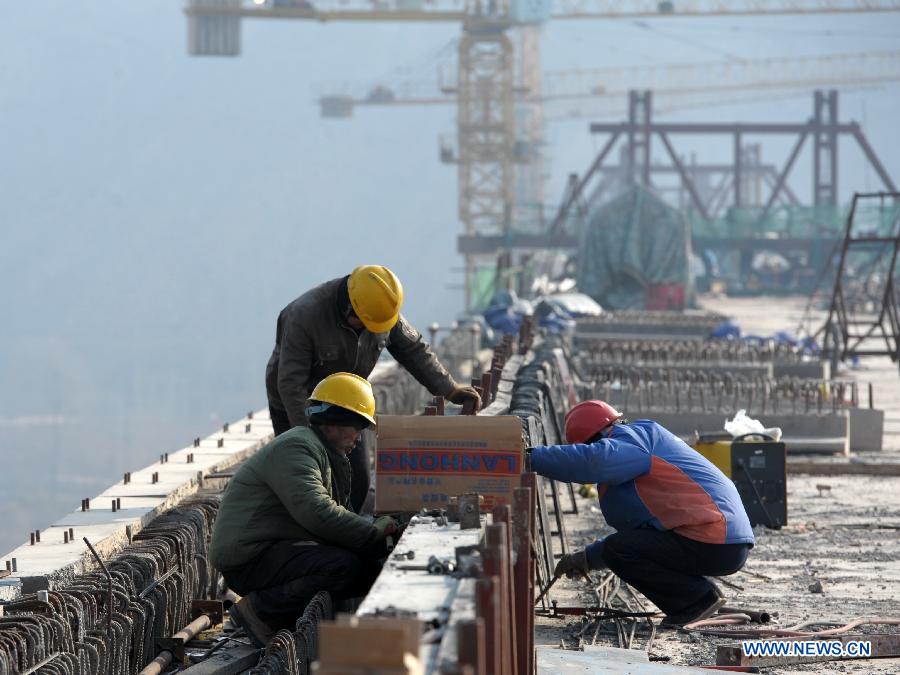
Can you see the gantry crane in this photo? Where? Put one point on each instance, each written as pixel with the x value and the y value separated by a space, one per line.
pixel 497 58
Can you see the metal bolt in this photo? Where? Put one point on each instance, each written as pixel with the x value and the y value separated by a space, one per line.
pixel 196 442
pixel 166 456
pixel 225 428
pixel 32 538
pixel 65 537
pixel 155 477
pixel 15 568
pixel 161 460
pixel 71 534
pixel 247 429
pixel 250 415
pixel 221 443
pixel 113 505
pixel 118 503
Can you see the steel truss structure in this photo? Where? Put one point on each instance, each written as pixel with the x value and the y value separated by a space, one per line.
pixel 639 131
pixel 864 315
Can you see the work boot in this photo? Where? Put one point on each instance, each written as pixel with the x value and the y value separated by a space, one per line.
pixel 244 615
pixel 703 609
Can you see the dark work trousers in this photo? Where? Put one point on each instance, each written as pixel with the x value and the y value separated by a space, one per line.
pixel 280 421
pixel 285 577
pixel 360 462
pixel 669 569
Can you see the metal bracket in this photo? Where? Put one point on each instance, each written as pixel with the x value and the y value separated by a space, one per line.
pixel 469 511
pixel 173 645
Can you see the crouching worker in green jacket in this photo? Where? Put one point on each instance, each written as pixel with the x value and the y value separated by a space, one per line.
pixel 284 530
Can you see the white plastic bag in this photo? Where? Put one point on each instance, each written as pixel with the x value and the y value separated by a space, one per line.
pixel 742 425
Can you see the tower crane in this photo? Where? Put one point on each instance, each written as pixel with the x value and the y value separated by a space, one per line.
pixel 498 142
pixel 603 91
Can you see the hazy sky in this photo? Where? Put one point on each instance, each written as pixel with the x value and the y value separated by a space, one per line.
pixel 157 210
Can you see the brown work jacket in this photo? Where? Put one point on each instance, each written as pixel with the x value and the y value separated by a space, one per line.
pixel 312 341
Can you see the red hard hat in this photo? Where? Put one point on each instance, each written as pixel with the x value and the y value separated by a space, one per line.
pixel 589 418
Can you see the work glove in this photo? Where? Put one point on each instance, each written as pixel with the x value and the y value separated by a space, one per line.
pixel 385 526
pixel 460 394
pixel 572 565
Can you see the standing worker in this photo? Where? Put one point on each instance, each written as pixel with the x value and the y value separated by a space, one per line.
pixel 677 517
pixel 343 325
pixel 284 531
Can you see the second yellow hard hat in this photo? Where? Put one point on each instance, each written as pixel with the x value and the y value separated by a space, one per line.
pixel 348 391
pixel 376 296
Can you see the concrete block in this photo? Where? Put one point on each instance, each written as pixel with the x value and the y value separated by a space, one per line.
pixel 866 429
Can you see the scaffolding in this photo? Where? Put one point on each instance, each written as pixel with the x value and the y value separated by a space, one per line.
pixel 864 315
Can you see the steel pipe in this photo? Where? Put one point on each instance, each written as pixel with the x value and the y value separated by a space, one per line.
pixel 158 665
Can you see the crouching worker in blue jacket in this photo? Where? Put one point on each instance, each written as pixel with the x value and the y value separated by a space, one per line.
pixel 677 517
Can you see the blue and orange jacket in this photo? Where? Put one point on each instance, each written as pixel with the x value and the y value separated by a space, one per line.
pixel 648 477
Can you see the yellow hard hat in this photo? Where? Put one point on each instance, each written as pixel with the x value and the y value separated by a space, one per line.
pixel 348 391
pixel 376 295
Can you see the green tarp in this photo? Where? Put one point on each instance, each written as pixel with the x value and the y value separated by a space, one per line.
pixel 632 242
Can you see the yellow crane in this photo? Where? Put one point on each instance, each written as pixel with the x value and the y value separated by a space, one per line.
pixel 498 144
pixel 602 92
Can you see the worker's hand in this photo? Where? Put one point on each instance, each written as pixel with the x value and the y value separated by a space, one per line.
pixel 385 526
pixel 460 394
pixel 572 565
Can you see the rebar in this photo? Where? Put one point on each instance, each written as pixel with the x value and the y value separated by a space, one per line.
pixel 292 653
pixel 101 622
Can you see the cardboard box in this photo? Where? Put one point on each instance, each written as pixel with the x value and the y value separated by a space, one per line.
pixel 412 666
pixel 354 645
pixel 421 461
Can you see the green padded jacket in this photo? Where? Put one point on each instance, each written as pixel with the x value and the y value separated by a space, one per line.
pixel 295 488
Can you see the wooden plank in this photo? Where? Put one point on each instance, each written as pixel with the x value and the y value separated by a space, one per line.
pixel 607 652
pixel 231 661
pixel 555 661
pixel 884 645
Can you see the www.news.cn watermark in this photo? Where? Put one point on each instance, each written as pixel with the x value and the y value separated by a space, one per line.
pixel 830 648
